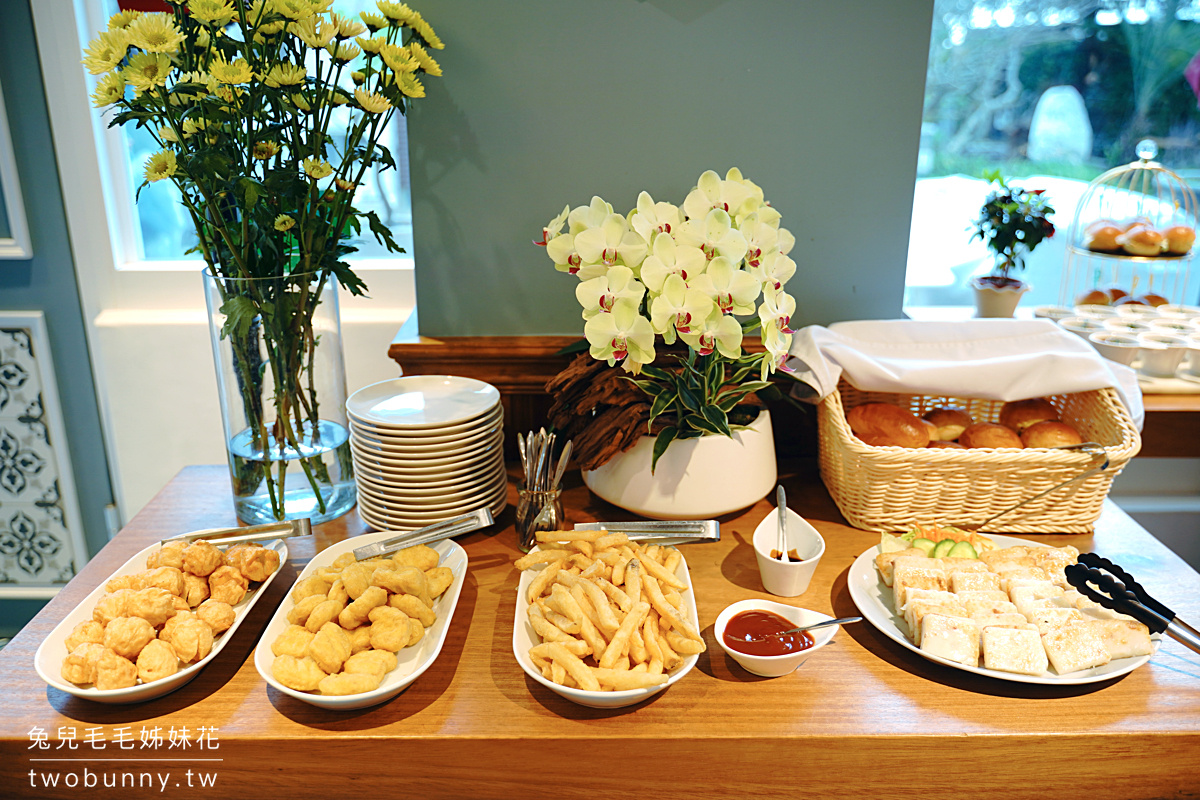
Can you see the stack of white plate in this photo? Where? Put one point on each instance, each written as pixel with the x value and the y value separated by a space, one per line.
pixel 427 448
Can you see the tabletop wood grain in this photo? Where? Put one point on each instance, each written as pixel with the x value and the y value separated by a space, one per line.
pixel 863 717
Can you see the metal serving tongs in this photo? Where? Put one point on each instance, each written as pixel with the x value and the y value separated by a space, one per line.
pixel 1112 587
pixel 253 533
pixel 466 523
pixel 668 531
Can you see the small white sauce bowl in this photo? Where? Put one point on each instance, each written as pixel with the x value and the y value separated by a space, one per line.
pixel 790 579
pixel 774 666
pixel 1120 347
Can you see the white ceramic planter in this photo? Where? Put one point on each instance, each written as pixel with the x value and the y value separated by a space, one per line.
pixel 993 302
pixel 695 478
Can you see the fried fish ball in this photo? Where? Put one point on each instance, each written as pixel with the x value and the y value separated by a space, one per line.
pixel 80 664
pixel 413 607
pixel 115 672
pixel 293 641
pixel 156 606
pixel 325 611
pixel 357 612
pixel 330 647
pixel 156 661
pixel 310 586
pixel 201 558
pixel 301 674
pixel 87 631
pixel 192 640
pixel 227 585
pixel 404 580
pixel 217 615
pixel 126 636
pixel 299 613
pixel 389 629
pixel 422 556
pixel 112 606
pixel 254 561
pixel 169 555
pixel 438 580
pixel 349 683
pixel 338 592
pixel 195 589
pixel 360 639
pixel 168 579
pixel 378 662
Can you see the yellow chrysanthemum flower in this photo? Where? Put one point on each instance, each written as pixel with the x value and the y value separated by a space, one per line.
pixel 237 72
pixel 155 33
pixel 425 31
pixel 371 102
pixel 316 168
pixel 374 22
pixel 312 31
pixel 293 9
pixel 397 13
pixel 109 90
pixel 122 19
pixel 398 58
pixel 284 223
pixel 217 13
pixel 299 101
pixel 106 51
pixel 160 165
pixel 265 150
pixel 147 70
pixel 371 45
pixel 424 59
pixel 409 85
pixel 343 51
pixel 284 74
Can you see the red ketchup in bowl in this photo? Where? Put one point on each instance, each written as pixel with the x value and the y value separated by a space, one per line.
pixel 751 632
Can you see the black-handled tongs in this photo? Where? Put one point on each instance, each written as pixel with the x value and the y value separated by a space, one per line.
pixel 1112 587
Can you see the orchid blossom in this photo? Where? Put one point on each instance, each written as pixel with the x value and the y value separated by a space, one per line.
pixel 678 308
pixel 600 295
pixel 620 334
pixel 669 259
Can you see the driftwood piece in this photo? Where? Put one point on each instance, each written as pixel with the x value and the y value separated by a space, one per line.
pixel 598 409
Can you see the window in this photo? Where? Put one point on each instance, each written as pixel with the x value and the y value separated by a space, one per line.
pixel 1052 93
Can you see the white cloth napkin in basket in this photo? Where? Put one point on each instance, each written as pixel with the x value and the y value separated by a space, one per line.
pixel 994 359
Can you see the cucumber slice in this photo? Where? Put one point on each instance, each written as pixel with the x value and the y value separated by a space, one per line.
pixel 925 544
pixel 943 548
pixel 963 550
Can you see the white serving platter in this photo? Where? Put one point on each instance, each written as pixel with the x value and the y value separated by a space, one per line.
pixel 49 656
pixel 422 401
pixel 873 599
pixel 524 637
pixel 412 661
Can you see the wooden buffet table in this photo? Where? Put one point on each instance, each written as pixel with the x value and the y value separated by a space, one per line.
pixel 863 718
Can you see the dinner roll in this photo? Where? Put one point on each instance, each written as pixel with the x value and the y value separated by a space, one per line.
pixel 949 421
pixel 1141 240
pixel 989 434
pixel 1102 235
pixel 1020 414
pixel 886 425
pixel 1179 239
pixel 1050 434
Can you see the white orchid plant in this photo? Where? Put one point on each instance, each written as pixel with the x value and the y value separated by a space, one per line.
pixel 705 274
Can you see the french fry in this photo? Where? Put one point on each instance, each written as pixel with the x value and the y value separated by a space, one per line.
pixel 659 572
pixel 544 578
pixel 540 557
pixel 623 680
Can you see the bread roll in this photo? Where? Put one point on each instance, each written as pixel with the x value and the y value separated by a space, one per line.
pixel 1179 239
pixel 1020 414
pixel 885 425
pixel 938 444
pixel 1102 235
pixel 1050 434
pixel 949 421
pixel 1141 240
pixel 989 434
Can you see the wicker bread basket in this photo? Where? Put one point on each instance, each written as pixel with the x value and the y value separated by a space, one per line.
pixel 890 488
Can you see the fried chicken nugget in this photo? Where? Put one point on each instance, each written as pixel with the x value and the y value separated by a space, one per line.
pixel 80 664
pixel 201 558
pixel 310 586
pixel 115 672
pixel 330 647
pixel 413 607
pixel 156 606
pixel 293 641
pixel 227 585
pixel 325 611
pixel 360 639
pixel 438 580
pixel 254 561
pixel 192 640
pixel 169 555
pixel 84 632
pixel 357 612
pixel 301 674
pixel 112 606
pixel 377 662
pixel 168 579
pixel 126 636
pixel 404 580
pixel 389 629
pixel 422 556
pixel 217 615
pixel 299 613
pixel 349 683
pixel 157 661
pixel 195 589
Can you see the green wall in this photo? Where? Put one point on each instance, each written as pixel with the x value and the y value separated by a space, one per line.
pixel 548 102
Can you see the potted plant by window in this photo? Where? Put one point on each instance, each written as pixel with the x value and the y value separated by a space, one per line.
pixel 1012 223
pixel 668 293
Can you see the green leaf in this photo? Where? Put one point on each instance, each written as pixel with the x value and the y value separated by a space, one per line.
pixel 664 439
pixel 239 312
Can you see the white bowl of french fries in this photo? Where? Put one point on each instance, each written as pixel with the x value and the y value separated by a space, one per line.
pixel 604 621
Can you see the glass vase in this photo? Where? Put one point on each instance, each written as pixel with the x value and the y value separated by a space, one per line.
pixel 281 377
